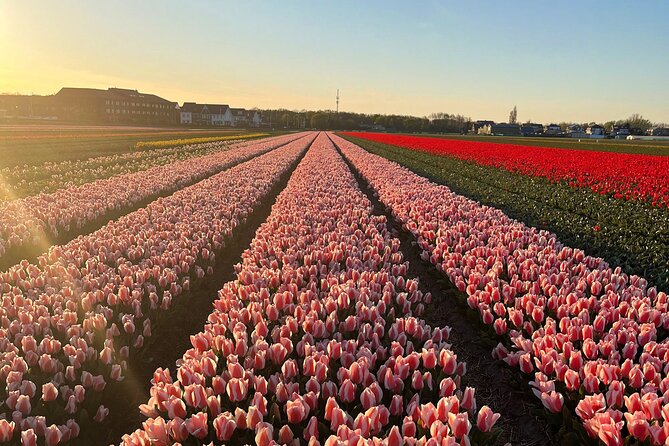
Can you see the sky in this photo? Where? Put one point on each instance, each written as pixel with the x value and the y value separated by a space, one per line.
pixel 575 61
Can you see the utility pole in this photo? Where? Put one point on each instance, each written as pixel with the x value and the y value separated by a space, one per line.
pixel 337 100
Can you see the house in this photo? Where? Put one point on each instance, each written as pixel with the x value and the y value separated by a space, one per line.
pixel 620 132
pixel 501 129
pixel 658 131
pixel 254 118
pixel 239 118
pixel 186 113
pixel 531 129
pixel 114 105
pixel 192 113
pixel 595 131
pixel 479 124
pixel 553 130
pixel 576 131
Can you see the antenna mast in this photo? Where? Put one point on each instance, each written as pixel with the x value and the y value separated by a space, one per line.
pixel 337 100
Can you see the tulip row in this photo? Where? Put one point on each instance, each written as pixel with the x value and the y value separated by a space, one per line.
pixel 620 175
pixel 70 324
pixel 26 180
pixel 183 141
pixel 319 338
pixel 29 221
pixel 584 330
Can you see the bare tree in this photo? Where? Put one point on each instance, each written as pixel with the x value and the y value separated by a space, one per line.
pixel 513 116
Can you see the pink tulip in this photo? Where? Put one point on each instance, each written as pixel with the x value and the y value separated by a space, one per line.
pixel 53 435
pixel 23 404
pixel 347 391
pixel 296 411
pixel 101 414
pixel 590 405
pixel 408 427
pixel 285 435
pixel 224 425
pixel 394 437
pixel 197 425
pixel 156 430
pixel 572 380
pixel 459 424
pixel 49 392
pixel 486 419
pixel 311 431
pixel 253 417
pixel 637 425
pixel 553 401
pixel 6 431
pixel 264 434
pixel 468 401
pixel 237 389
pixel 28 438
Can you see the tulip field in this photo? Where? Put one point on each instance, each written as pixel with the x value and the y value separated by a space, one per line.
pixel 128 317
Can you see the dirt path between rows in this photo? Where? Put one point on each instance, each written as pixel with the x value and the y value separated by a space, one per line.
pixel 496 384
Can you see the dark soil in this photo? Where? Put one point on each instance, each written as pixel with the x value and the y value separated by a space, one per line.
pixel 497 385
pixel 171 338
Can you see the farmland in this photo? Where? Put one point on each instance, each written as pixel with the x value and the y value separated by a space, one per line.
pixel 320 288
pixel 30 144
pixel 638 147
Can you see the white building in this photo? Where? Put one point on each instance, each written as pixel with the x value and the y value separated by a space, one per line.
pixel 254 118
pixel 595 131
pixel 206 114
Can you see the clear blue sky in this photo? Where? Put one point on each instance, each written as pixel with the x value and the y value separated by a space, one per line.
pixel 558 61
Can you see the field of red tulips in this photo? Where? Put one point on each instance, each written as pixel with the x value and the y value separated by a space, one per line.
pixel 323 331
pixel 620 175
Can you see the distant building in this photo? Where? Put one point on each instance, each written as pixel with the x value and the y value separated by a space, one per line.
pixel 15 106
pixel 620 132
pixel 477 125
pixel 239 118
pixel 205 114
pixel 501 129
pixel 576 131
pixel 114 105
pixel 658 131
pixel 531 129
pixel 553 130
pixel 254 118
pixel 595 131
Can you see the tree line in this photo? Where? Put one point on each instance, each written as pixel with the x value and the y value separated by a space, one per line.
pixel 433 123
pixel 330 120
